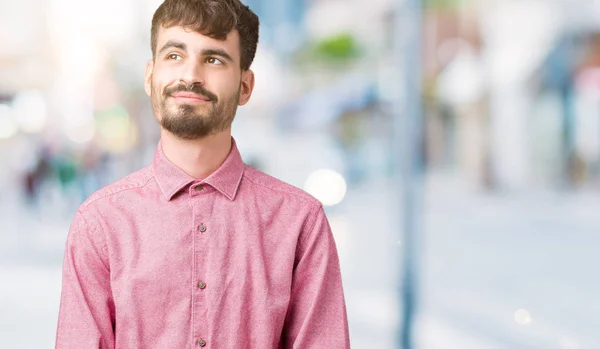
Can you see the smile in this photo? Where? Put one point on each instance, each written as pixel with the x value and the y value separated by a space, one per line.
pixel 187 97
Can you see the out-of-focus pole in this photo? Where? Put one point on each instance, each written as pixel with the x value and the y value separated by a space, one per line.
pixel 408 136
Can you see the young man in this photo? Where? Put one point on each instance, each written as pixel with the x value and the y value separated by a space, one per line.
pixel 199 249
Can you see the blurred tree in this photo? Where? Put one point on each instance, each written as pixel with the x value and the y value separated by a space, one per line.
pixel 335 51
pixel 445 4
pixel 337 48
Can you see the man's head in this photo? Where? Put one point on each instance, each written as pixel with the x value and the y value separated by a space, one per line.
pixel 200 71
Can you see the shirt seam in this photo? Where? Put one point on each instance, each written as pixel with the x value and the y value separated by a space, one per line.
pixel 105 258
pixel 309 200
pixel 85 206
pixel 194 278
pixel 83 211
pixel 97 231
pixel 313 224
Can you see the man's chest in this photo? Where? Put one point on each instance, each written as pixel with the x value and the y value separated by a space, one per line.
pixel 217 258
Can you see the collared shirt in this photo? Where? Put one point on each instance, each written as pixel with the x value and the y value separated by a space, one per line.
pixel 159 260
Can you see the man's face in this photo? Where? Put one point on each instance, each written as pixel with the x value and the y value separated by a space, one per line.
pixel 195 82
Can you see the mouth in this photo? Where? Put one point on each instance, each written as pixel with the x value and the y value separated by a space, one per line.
pixel 189 98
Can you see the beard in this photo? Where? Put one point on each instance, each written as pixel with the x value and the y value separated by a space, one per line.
pixel 189 121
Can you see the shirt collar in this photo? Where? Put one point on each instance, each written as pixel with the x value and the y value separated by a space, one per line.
pixel 226 179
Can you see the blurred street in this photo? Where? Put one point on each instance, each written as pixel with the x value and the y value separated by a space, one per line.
pixel 499 100
pixel 492 255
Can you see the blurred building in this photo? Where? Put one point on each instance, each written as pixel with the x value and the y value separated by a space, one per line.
pixel 511 96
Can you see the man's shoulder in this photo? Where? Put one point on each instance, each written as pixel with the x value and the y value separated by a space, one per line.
pixel 278 187
pixel 135 180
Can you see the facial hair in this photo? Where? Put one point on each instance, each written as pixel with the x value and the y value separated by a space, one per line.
pixel 191 122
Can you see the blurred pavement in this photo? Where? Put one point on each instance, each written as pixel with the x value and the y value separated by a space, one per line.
pixel 485 257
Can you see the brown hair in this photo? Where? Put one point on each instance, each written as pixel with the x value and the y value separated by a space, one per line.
pixel 214 18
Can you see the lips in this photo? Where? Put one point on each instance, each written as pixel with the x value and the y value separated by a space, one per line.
pixel 190 96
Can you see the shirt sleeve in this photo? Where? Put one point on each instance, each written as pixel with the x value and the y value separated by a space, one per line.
pixel 86 315
pixel 316 317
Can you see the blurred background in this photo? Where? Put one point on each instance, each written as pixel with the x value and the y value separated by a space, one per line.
pixel 506 206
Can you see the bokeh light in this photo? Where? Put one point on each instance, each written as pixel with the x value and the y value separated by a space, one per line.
pixel 82 132
pixel 522 317
pixel 8 126
pixel 31 111
pixel 328 186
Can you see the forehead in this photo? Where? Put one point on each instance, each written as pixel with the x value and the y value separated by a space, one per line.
pixel 196 42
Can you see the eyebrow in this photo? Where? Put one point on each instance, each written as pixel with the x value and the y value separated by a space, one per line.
pixel 172 43
pixel 206 52
pixel 217 52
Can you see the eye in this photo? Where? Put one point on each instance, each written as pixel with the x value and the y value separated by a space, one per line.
pixel 173 56
pixel 215 61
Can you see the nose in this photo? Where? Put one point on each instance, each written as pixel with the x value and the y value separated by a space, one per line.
pixel 192 73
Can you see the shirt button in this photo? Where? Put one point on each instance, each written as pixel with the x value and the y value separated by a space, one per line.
pixel 202 342
pixel 200 187
pixel 202 228
pixel 201 285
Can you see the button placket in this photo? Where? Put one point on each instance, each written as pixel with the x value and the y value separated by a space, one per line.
pixel 198 297
pixel 201 246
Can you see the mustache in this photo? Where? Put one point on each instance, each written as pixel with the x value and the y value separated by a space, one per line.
pixel 194 88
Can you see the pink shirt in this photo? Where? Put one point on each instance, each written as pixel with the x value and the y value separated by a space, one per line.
pixel 237 260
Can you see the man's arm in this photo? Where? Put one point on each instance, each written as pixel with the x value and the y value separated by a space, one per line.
pixel 86 316
pixel 316 317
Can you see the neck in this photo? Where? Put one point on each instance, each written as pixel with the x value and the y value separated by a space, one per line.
pixel 200 157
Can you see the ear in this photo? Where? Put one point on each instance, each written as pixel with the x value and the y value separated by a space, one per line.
pixel 148 77
pixel 247 86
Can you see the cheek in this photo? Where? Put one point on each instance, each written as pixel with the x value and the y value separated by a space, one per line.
pixel 156 91
pixel 159 85
pixel 227 84
pixel 163 77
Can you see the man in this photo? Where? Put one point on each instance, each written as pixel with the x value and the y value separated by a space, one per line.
pixel 199 249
